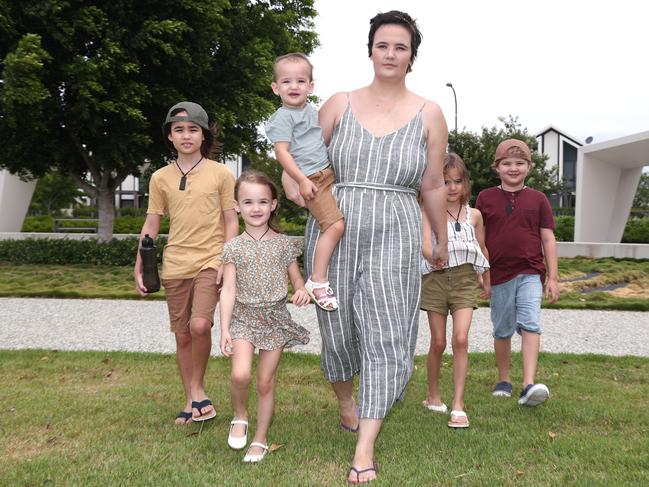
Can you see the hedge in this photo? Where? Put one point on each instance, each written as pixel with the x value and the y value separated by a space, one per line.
pixel 67 251
pixel 636 230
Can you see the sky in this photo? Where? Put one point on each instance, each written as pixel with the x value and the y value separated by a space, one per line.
pixel 581 66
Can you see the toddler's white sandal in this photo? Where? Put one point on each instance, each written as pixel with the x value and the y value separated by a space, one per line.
pixel 328 301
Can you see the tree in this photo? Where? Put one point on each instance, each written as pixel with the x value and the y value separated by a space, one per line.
pixel 54 192
pixel 86 84
pixel 641 199
pixel 478 151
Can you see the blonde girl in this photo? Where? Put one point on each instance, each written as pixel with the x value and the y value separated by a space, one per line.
pixel 453 288
pixel 256 268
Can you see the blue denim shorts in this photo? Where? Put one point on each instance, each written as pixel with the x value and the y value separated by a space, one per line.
pixel 516 306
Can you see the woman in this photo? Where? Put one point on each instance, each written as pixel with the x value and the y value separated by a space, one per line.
pixel 382 138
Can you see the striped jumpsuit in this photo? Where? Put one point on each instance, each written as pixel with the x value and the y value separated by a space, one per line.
pixel 375 267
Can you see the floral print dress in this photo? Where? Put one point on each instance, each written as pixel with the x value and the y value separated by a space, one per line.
pixel 260 315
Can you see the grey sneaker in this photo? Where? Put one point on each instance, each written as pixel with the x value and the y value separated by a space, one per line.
pixel 534 394
pixel 503 389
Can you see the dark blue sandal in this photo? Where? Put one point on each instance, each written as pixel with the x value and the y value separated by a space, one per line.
pixel 358 473
pixel 200 405
pixel 186 416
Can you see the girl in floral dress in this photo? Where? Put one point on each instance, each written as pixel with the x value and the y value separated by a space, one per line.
pixel 256 268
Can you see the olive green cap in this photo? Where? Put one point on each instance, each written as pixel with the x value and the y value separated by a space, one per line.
pixel 195 114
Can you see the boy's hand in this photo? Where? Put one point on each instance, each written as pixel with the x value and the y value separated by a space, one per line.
pixel 486 289
pixel 219 278
pixel 300 297
pixel 139 284
pixel 552 290
pixel 308 189
pixel 226 343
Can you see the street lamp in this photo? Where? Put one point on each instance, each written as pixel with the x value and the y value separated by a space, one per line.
pixel 450 85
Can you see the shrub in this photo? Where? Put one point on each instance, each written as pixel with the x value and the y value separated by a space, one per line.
pixel 636 231
pixel 66 252
pixel 564 228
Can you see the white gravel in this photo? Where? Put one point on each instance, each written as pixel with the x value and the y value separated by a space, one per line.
pixel 142 326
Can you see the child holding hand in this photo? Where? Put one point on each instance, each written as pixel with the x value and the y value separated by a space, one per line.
pixel 256 267
pixel 453 289
pixel 300 149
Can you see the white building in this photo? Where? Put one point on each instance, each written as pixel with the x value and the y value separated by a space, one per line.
pixel 561 150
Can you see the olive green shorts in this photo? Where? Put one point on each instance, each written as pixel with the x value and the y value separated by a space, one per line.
pixel 449 289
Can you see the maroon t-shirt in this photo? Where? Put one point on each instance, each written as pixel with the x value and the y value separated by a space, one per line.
pixel 514 240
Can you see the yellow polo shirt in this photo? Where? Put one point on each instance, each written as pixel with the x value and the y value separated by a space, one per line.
pixel 196 225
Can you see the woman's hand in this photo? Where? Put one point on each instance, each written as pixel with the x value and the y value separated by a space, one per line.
pixel 440 255
pixel 226 343
pixel 300 297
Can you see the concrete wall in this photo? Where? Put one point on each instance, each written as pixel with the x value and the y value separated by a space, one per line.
pixel 15 196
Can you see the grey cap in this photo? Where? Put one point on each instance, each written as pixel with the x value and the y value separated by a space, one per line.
pixel 195 114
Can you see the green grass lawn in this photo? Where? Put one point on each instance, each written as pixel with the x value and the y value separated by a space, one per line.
pixel 77 281
pixel 79 418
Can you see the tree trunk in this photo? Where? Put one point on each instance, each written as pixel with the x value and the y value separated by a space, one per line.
pixel 106 208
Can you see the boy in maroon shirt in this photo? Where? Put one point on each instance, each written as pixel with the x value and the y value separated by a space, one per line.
pixel 519 233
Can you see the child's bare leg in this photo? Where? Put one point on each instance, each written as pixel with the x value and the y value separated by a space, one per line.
pixel 530 345
pixel 184 359
pixel 268 362
pixel 242 352
pixel 460 341
pixel 325 247
pixel 201 332
pixel 437 324
pixel 503 349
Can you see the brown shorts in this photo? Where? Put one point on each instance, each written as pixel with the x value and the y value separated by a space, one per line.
pixel 191 298
pixel 449 289
pixel 324 207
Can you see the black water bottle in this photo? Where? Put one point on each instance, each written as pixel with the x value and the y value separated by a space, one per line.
pixel 149 256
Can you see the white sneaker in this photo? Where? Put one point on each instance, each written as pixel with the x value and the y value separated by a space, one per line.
pixel 534 394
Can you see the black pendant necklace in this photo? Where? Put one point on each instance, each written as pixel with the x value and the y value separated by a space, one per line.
pixel 458 227
pixel 257 239
pixel 183 179
pixel 509 207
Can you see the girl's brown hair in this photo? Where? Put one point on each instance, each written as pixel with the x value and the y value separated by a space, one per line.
pixel 258 177
pixel 452 160
pixel 210 147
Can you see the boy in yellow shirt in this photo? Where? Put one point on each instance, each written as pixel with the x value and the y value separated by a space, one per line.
pixel 197 194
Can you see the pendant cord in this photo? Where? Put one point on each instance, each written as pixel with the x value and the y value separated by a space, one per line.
pixel 257 239
pixel 192 168
pixel 457 226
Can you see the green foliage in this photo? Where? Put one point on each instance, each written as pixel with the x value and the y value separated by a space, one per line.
pixel 564 228
pixel 122 224
pixel 86 84
pixel 64 251
pixel 641 199
pixel 477 151
pixel 54 192
pixel 636 231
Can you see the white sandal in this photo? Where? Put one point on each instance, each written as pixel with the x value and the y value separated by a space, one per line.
pixel 249 458
pixel 435 408
pixel 237 442
pixel 328 301
pixel 456 424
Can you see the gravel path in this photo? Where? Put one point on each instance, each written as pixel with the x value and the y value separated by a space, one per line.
pixel 74 324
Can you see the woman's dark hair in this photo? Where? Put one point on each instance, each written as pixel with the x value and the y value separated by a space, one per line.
pixel 258 177
pixel 210 147
pixel 453 161
pixel 397 18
